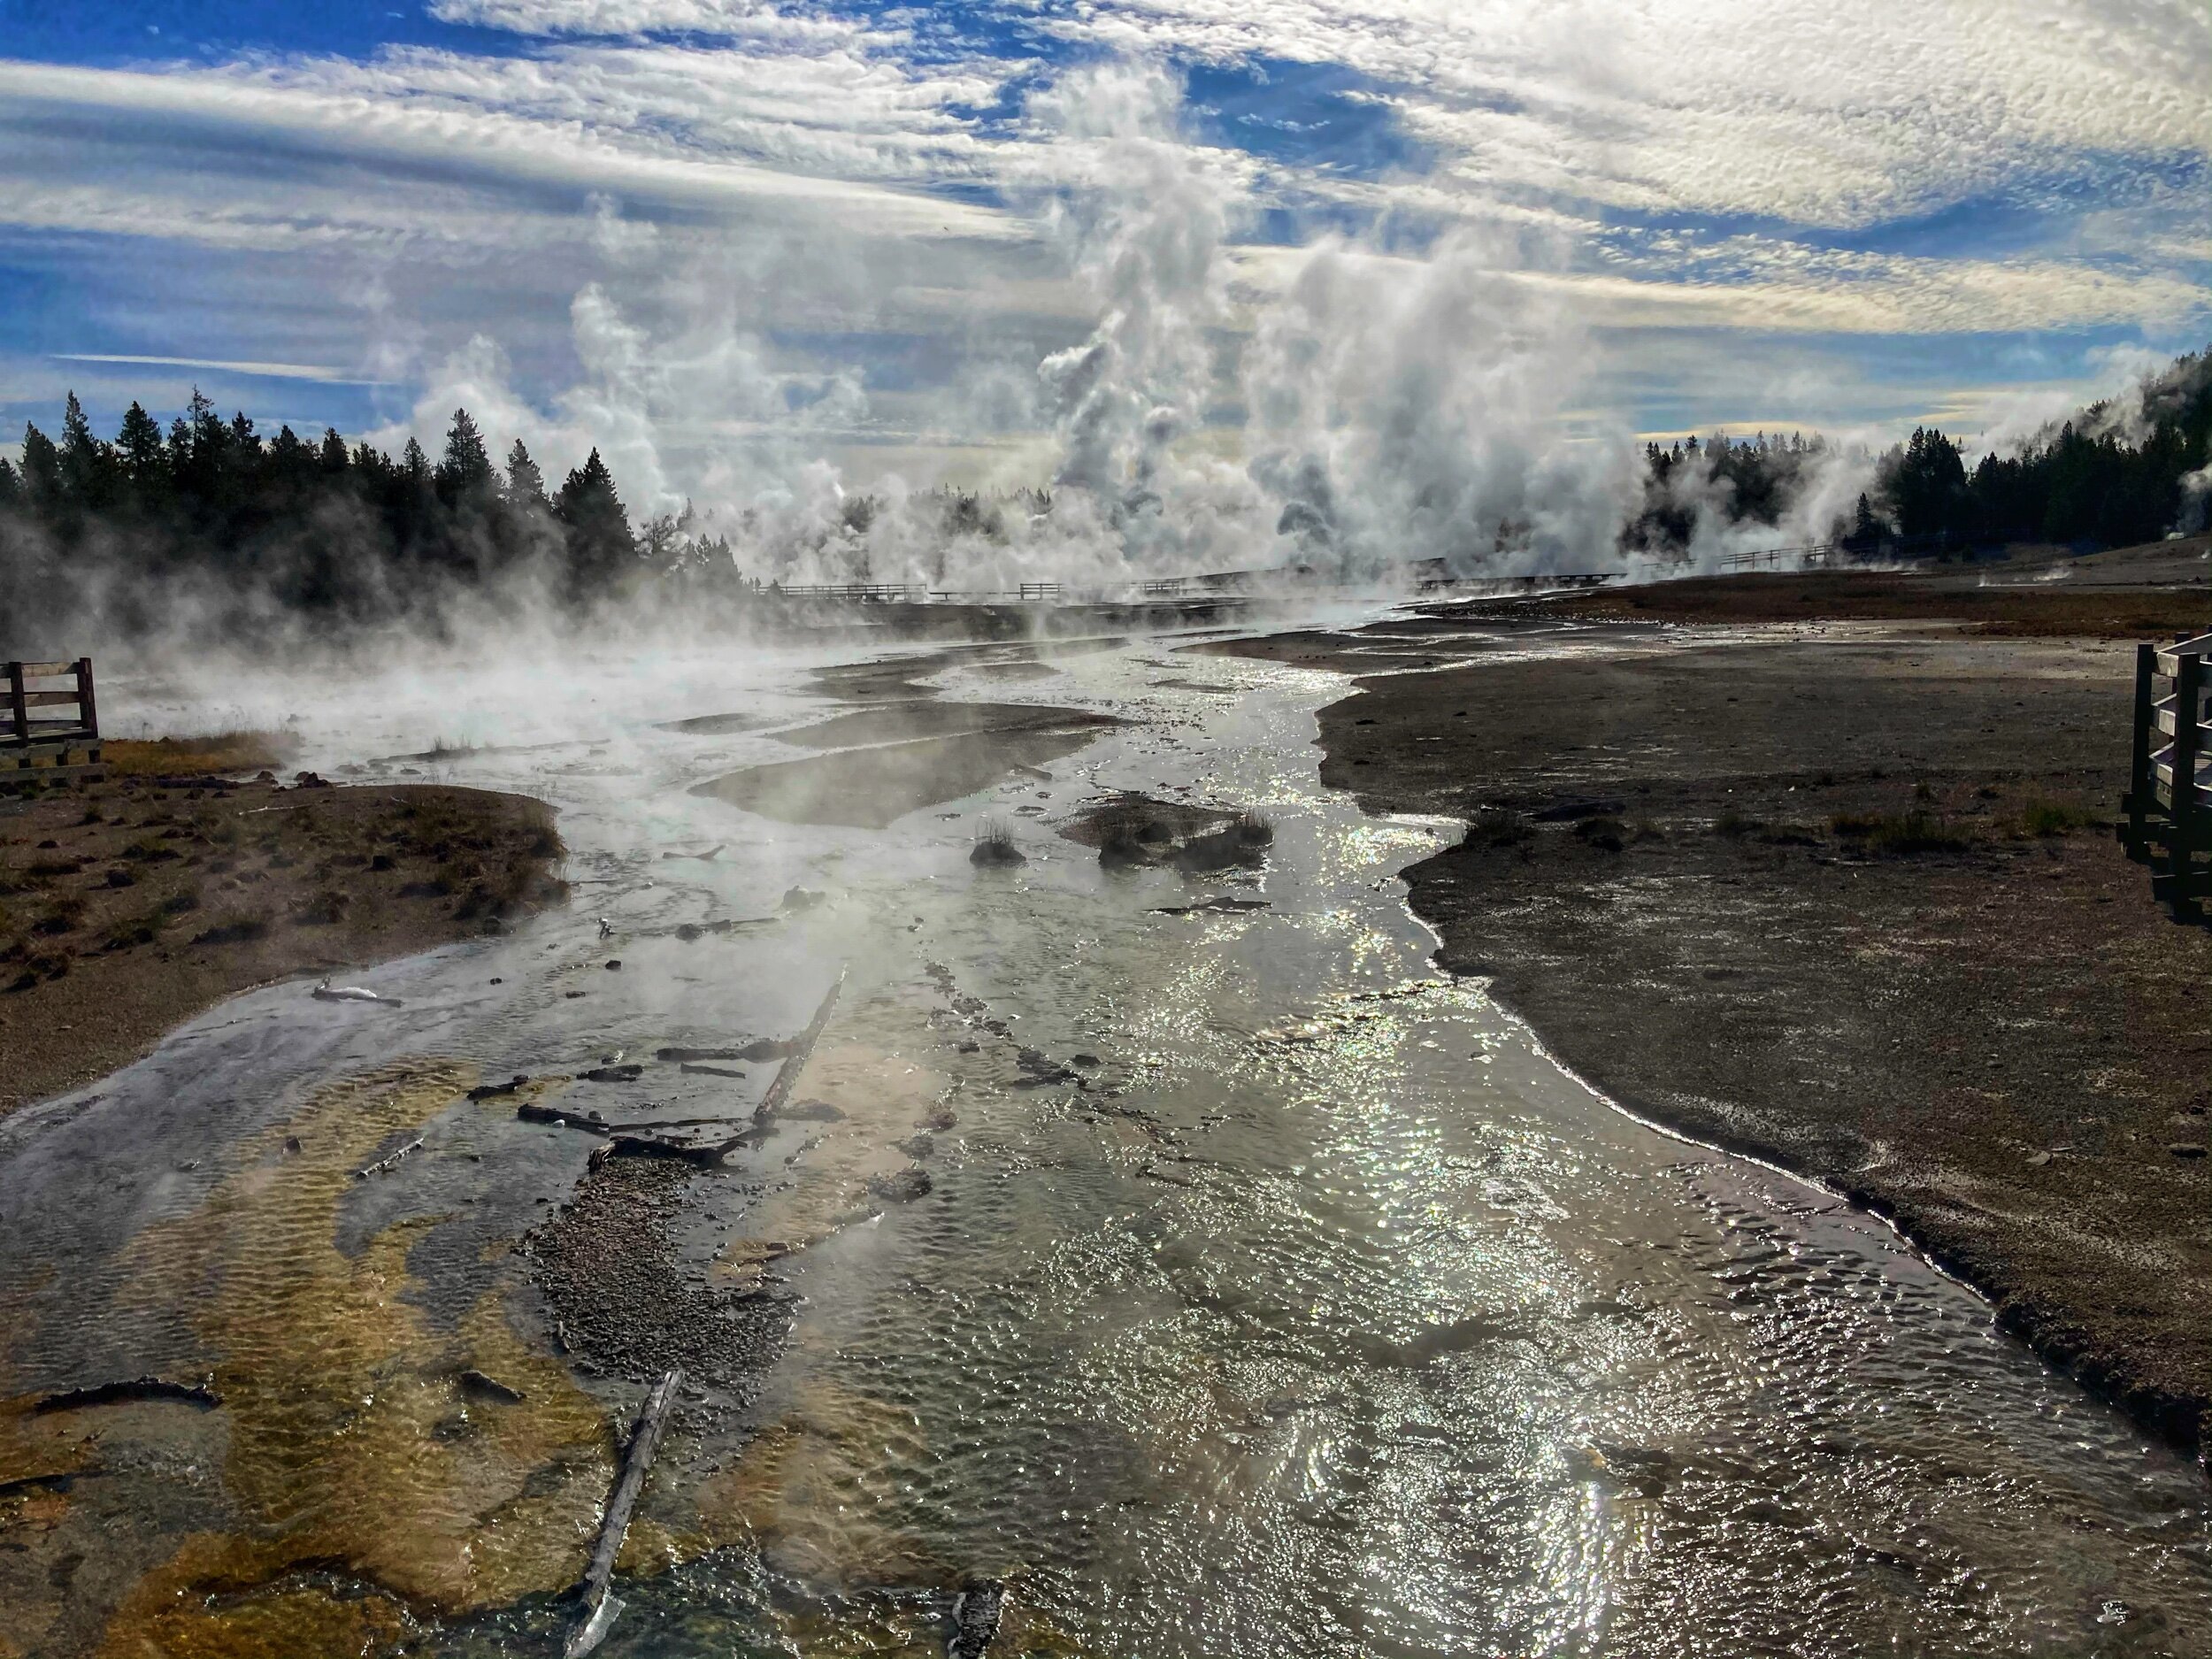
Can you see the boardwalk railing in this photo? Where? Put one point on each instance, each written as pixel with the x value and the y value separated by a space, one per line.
pixel 49 717
pixel 2169 801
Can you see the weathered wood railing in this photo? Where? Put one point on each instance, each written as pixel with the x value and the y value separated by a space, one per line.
pixel 2169 801
pixel 29 735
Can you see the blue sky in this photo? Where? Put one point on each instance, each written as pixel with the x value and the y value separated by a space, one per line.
pixel 725 239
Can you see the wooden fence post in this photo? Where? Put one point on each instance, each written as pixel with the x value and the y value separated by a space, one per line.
pixel 2188 818
pixel 86 714
pixel 2140 780
pixel 21 709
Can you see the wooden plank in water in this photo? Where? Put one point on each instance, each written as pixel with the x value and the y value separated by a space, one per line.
pixel 600 1609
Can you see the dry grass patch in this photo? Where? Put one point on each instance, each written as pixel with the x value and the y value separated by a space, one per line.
pixel 216 755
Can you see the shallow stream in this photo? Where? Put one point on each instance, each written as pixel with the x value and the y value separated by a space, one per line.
pixel 1271 1296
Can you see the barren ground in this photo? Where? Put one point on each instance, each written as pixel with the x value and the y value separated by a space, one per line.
pixel 1847 903
pixel 129 906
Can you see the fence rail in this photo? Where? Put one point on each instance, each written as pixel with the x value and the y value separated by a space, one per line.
pixel 2168 801
pixel 40 745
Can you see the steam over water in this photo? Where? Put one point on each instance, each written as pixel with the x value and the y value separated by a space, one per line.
pixel 1327 1316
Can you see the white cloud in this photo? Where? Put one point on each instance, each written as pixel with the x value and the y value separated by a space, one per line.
pixel 321 374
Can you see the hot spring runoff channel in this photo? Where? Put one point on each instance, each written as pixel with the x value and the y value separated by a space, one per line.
pixel 1260 1293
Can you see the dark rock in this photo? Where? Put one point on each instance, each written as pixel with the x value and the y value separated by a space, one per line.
pixel 975 1614
pixel 901 1186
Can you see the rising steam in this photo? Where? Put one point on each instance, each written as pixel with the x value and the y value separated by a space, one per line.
pixel 1337 407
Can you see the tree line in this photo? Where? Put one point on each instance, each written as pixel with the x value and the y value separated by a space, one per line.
pixel 273 525
pixel 2109 477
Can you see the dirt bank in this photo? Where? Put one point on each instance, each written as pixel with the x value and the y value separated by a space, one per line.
pixel 129 906
pixel 1845 904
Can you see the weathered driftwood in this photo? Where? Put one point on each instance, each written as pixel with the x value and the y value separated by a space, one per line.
pixel 492 1091
pixel 600 1609
pixel 383 1164
pixel 704 1153
pixel 198 1395
pixel 613 1073
pixel 800 1047
pixel 531 1112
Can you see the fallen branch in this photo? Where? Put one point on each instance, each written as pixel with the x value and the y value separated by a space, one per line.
pixel 600 1609
pixel 800 1048
pixel 384 1164
pixel 531 1112
pixel 704 1153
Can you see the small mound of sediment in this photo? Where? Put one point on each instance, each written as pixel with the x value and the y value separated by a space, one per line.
pixel 1133 830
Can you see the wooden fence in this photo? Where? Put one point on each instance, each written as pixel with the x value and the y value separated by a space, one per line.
pixel 2169 801
pixel 35 730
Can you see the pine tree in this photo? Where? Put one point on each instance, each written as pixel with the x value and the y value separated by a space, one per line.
pixel 334 460
pixel 139 451
pixel 466 473
pixel 85 461
pixel 526 485
pixel 600 545
pixel 42 469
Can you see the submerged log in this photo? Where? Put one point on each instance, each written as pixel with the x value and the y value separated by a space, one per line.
pixel 600 1609
pixel 197 1396
pixel 800 1048
pixel 384 1165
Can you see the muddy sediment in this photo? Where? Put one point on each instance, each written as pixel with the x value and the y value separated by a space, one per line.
pixel 127 907
pixel 1854 906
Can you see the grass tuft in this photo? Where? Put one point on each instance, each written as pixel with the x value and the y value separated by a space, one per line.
pixel 1901 834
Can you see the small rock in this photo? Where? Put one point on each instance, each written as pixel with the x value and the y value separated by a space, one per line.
pixel 901 1186
pixel 2186 1149
pixel 614 964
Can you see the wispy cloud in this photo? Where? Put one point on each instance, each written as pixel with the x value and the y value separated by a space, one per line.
pixel 319 372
